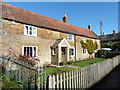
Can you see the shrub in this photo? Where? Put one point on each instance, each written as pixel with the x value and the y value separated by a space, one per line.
pixel 101 53
pixel 61 63
pixel 69 62
pixel 9 83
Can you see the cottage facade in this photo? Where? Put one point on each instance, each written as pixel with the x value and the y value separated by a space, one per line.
pixel 49 40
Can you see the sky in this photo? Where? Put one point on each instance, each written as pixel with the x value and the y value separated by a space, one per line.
pixel 80 14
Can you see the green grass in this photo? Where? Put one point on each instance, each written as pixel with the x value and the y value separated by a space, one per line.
pixel 88 62
pixel 54 70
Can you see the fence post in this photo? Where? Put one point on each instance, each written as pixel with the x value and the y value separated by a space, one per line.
pixel 50 82
pixel 70 79
pixel 64 80
pixel 61 81
pixel 57 83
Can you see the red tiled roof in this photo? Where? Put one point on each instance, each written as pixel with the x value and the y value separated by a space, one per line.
pixel 24 16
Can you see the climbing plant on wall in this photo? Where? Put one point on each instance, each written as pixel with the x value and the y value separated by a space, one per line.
pixel 89 45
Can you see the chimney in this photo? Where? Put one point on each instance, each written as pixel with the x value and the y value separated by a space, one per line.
pixel 90 26
pixel 104 33
pixel 65 18
pixel 113 31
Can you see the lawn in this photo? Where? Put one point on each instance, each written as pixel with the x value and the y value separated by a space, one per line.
pixel 54 70
pixel 87 62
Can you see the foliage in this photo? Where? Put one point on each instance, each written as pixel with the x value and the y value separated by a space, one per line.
pixel 69 62
pixel 101 53
pixel 116 46
pixel 106 46
pixel 31 60
pixel 54 70
pixel 9 83
pixel 113 47
pixel 89 45
pixel 61 63
pixel 88 62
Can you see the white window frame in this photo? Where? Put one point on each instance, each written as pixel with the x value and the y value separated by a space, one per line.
pixel 72 36
pixel 32 48
pixel 84 39
pixel 84 52
pixel 27 32
pixel 73 51
pixel 53 51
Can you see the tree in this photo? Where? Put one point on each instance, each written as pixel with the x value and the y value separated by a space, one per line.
pixel 90 46
pixel 116 46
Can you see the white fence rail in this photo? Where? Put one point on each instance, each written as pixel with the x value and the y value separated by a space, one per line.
pixel 83 77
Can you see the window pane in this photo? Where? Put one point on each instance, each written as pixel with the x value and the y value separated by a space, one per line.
pixel 25 51
pixel 72 51
pixel 31 51
pixel 34 51
pixel 30 28
pixel 30 32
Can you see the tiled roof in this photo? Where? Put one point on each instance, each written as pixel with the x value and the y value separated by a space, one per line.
pixel 57 41
pixel 111 37
pixel 21 15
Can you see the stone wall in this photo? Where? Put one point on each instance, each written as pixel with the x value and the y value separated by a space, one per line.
pixel 12 36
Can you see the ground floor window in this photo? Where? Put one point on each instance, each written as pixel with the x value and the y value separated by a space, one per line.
pixel 84 51
pixel 72 51
pixel 30 51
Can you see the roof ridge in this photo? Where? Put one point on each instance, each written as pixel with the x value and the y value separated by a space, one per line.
pixel 44 16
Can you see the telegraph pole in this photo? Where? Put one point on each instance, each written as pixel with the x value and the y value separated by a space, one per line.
pixel 101 32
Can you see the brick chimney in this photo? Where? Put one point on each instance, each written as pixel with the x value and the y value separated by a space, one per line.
pixel 65 18
pixel 104 33
pixel 113 31
pixel 90 26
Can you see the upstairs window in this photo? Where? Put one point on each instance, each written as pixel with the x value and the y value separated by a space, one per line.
pixel 70 37
pixel 30 30
pixel 30 51
pixel 84 39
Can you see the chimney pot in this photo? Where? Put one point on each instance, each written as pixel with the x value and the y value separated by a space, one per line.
pixel 113 31
pixel 65 18
pixel 90 26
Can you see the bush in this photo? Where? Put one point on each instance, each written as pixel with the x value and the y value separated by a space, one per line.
pixel 61 63
pixel 9 83
pixel 69 62
pixel 101 53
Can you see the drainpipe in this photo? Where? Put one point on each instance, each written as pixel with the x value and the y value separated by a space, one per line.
pixel 75 47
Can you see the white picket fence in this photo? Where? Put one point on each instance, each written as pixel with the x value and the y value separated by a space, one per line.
pixel 83 77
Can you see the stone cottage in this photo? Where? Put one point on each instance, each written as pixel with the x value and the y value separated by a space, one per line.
pixel 49 40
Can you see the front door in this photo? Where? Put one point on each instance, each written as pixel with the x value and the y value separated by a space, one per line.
pixel 63 54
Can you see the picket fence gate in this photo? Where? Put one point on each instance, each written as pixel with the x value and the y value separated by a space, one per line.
pixel 83 77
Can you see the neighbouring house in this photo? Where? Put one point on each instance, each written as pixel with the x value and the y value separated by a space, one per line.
pixel 111 39
pixel 49 40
